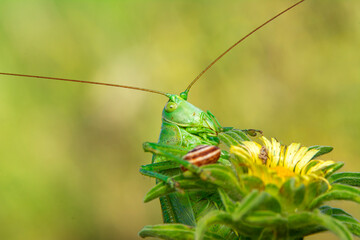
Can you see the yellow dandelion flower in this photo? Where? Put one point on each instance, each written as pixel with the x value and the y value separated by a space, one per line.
pixel 275 163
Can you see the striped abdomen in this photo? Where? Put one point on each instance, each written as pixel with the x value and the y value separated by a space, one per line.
pixel 202 155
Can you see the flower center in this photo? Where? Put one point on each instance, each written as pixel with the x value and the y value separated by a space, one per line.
pixel 283 172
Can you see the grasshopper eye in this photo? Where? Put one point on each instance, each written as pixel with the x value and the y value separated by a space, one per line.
pixel 170 106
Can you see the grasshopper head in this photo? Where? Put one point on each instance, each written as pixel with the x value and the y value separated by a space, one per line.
pixel 182 113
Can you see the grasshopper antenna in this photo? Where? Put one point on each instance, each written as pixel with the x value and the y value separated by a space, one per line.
pixel 235 44
pixel 82 81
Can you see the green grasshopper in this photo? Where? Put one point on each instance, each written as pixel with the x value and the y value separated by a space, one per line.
pixel 184 126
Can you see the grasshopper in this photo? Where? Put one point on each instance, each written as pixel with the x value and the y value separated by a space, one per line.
pixel 207 133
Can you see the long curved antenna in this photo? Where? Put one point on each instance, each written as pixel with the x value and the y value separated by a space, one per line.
pixel 82 81
pixel 235 44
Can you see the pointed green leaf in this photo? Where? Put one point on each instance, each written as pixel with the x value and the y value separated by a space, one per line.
pixel 347 178
pixel 307 221
pixel 250 201
pixel 346 188
pixel 236 137
pixel 241 134
pixel 314 189
pixel 225 154
pixel 244 135
pixel 266 233
pixel 254 200
pixel 351 223
pixel 225 129
pixel 302 224
pixel 299 194
pixel 306 231
pixel 158 190
pixel 338 192
pixel 239 165
pixel 333 211
pixel 334 226
pixel 224 178
pixel 174 232
pixel 211 219
pixel 272 189
pixel 291 193
pixel 226 200
pixel 322 150
pixel 248 183
pixel 221 217
pixel 265 219
pixel 227 139
pixel 329 170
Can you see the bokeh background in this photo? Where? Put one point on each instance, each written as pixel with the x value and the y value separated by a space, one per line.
pixel 70 153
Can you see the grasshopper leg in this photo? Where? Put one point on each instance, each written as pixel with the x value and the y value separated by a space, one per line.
pixel 155 170
pixel 172 154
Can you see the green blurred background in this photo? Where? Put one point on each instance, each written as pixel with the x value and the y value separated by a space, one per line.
pixel 70 153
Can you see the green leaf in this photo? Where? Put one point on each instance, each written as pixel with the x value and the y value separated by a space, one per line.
pixel 224 178
pixel 300 233
pixel 249 183
pixel 265 219
pixel 347 178
pixel 329 170
pixel 333 211
pixel 239 165
pixel 241 134
pixel 310 165
pixel 335 226
pixel 338 192
pixel 345 188
pixel 307 221
pixel 225 154
pixel 291 193
pixel 254 201
pixel 322 150
pixel 162 188
pixel 225 129
pixel 221 217
pixel 314 189
pixel 299 194
pixel 173 232
pixel 211 219
pixel 238 138
pixel 251 201
pixel 266 233
pixel 226 200
pixel 351 223
pixel 227 139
